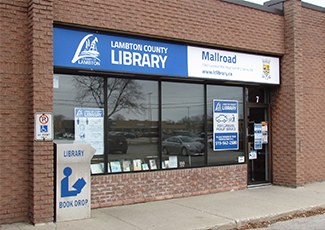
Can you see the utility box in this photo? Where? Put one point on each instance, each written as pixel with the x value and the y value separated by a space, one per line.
pixel 73 180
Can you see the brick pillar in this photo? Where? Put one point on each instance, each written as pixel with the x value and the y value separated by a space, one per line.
pixel 41 188
pixel 287 111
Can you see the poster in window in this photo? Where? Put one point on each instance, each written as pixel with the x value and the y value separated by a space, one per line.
pixel 137 165
pixel 258 136
pixel 89 127
pixel 116 166
pixel 225 125
pixel 264 133
pixel 173 162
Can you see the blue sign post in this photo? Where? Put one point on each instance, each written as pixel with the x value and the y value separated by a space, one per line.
pixel 225 125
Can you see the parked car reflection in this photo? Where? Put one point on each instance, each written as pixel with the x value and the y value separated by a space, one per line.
pixel 184 133
pixel 117 143
pixel 182 145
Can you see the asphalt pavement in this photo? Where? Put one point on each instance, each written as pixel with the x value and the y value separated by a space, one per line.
pixel 224 210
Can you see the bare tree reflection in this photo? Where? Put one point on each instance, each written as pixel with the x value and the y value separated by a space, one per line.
pixel 122 94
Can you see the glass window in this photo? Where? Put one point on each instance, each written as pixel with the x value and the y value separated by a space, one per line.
pixel 224 93
pixel 79 112
pixel 257 95
pixel 120 119
pixel 182 125
pixel 132 141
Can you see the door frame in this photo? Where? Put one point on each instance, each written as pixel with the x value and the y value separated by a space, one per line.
pixel 269 147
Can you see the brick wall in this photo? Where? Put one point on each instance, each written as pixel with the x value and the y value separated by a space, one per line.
pixel 313 53
pixel 26 73
pixel 123 189
pixel 14 128
pixel 298 124
pixel 209 22
pixel 40 35
pixel 287 105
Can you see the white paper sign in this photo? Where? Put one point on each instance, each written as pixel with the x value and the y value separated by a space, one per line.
pixel 89 126
pixel 252 155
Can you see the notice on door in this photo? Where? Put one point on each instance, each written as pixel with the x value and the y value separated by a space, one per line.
pixel 264 132
pixel 225 125
pixel 258 137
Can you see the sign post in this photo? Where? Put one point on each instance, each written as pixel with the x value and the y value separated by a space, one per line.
pixel 73 180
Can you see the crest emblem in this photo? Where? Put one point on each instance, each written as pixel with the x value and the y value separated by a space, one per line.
pixel 266 68
pixel 86 52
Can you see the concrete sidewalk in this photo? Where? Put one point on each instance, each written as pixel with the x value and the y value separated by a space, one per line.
pixel 216 211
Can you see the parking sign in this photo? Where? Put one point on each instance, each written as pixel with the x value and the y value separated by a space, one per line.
pixel 43 129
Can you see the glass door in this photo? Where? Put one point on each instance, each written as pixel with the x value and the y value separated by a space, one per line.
pixel 258 145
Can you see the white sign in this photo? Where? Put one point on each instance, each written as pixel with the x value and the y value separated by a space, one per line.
pixel 43 129
pixel 89 126
pixel 241 159
pixel 232 66
pixel 252 155
pixel 73 180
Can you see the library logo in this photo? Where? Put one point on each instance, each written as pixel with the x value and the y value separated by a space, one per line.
pixel 87 53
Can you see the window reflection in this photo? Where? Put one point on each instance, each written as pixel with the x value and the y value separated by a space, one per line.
pixel 78 112
pixel 132 142
pixel 68 95
pixel 130 123
pixel 182 124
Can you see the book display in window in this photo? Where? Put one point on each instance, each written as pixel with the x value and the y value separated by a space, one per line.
pixel 116 166
pixel 152 164
pixel 145 166
pixel 126 166
pixel 97 168
pixel 137 165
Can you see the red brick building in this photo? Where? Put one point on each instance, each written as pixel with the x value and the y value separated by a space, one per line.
pixel 31 82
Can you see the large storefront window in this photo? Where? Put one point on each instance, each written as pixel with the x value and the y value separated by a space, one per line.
pixel 139 125
pixel 182 124
pixel 132 126
pixel 73 92
pixel 232 94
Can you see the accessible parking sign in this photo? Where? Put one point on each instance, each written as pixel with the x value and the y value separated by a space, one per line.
pixel 225 125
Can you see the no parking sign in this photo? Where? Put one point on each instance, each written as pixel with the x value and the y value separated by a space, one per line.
pixel 43 126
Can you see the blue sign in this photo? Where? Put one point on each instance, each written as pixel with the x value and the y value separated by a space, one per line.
pixel 225 124
pixel 105 52
pixel 78 185
pixel 258 136
pixel 44 129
